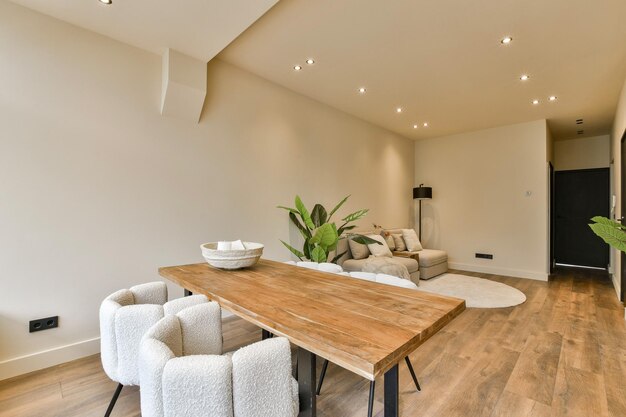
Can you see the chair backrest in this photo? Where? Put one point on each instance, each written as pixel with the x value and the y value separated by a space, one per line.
pixel 118 345
pixel 262 382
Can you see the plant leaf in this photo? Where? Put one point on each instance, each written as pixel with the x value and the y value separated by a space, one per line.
pixel 355 216
pixel 611 235
pixel 364 240
pixel 292 210
pixel 345 228
pixel 293 250
pixel 319 215
pixel 304 213
pixel 318 254
pixel 608 222
pixel 337 207
pixel 325 236
pixel 337 257
pixel 306 233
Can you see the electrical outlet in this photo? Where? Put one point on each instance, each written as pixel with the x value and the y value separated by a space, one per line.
pixel 43 324
pixel 484 255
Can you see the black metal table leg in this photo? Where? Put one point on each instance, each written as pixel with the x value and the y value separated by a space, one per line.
pixel 306 383
pixel 188 293
pixel 322 375
pixel 370 403
pixel 408 364
pixel 391 392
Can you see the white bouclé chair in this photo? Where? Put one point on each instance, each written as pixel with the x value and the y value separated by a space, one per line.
pixel 183 371
pixel 125 316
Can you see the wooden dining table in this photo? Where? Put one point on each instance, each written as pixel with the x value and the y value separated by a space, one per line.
pixel 362 326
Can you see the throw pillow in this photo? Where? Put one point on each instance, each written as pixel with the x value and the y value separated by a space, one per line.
pixel 411 240
pixel 399 241
pixel 390 242
pixel 358 250
pixel 379 250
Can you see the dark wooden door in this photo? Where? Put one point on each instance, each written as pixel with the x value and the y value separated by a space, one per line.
pixel 580 195
pixel 552 220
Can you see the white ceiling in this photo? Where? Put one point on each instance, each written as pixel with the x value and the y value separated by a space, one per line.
pixel 442 61
pixel 200 28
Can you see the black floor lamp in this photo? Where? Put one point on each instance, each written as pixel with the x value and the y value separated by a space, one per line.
pixel 422 193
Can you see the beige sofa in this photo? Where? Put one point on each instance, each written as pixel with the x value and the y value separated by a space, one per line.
pixel 432 262
pixel 349 264
pixel 423 264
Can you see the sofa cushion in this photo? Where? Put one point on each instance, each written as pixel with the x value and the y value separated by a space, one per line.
pixel 358 250
pixel 381 250
pixel 389 239
pixel 352 265
pixel 399 242
pixel 385 265
pixel 411 264
pixel 411 240
pixel 429 257
pixel 342 248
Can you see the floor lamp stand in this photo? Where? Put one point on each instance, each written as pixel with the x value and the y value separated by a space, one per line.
pixel 420 222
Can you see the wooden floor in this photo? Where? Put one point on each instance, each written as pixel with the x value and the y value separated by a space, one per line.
pixel 561 353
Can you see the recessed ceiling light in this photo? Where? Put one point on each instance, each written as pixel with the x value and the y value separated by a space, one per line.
pixel 297 67
pixel 399 110
pixel 524 77
pixel 535 101
pixel 506 40
pixel 106 1
pixel 310 61
pixel 362 90
pixel 415 126
pixel 552 98
pixel 425 124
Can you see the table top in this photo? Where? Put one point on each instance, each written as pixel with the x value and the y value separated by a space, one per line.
pixel 362 326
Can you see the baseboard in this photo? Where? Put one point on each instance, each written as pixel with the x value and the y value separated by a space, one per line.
pixel 47 358
pixel 517 273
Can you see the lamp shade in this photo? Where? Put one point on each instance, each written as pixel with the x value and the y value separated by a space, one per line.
pixel 422 193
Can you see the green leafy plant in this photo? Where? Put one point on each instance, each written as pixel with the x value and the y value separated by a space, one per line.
pixel 320 234
pixel 610 231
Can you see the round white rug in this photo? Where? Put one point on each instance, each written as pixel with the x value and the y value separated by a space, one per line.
pixel 477 292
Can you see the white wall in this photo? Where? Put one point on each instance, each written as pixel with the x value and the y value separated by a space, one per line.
pixel 99 190
pixel 619 127
pixel 479 204
pixel 584 153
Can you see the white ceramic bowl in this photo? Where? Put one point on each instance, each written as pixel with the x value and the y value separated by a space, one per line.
pixel 232 258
